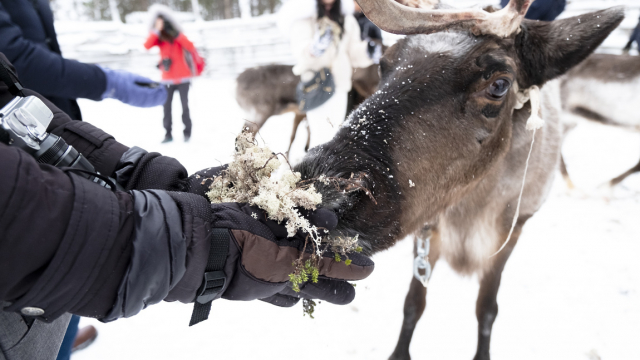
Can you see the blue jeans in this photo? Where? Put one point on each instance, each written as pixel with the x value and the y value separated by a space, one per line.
pixel 65 348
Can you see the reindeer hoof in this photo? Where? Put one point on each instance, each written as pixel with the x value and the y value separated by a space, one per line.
pixel 396 356
pixel 484 356
pixel 570 184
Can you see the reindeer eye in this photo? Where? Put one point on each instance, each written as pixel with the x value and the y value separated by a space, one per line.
pixel 498 88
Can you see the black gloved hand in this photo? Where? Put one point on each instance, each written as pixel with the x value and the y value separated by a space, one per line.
pixel 141 170
pixel 199 182
pixel 261 258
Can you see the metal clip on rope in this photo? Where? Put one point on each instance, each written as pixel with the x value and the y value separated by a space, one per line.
pixel 421 262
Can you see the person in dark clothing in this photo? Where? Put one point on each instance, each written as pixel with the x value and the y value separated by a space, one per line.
pixel 635 36
pixel 183 90
pixel 69 245
pixel 370 33
pixel 28 39
pixel 543 10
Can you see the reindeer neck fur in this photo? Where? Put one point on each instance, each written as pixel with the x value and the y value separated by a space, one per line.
pixel 473 229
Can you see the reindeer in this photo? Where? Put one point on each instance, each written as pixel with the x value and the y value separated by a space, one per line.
pixel 604 88
pixel 443 141
pixel 265 91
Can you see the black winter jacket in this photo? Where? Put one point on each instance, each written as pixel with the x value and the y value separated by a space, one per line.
pixel 69 245
pixel 28 39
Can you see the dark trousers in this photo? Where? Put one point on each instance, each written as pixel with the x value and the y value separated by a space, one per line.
pixel 40 340
pixel 69 337
pixel 184 98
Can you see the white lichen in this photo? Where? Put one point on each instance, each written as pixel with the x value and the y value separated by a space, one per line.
pixel 248 179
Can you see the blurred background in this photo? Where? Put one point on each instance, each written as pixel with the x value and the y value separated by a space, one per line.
pixel 571 290
pixel 231 34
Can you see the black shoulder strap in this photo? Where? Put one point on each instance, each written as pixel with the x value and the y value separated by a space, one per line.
pixel 15 86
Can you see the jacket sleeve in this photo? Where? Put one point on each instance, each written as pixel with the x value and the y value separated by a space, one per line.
pixel 302 32
pixel 356 48
pixel 70 245
pixel 46 71
pixel 152 41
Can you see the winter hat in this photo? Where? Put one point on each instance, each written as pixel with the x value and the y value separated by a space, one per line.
pixel 156 10
pixel 294 10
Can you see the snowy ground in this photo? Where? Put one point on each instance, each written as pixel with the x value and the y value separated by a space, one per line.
pixel 571 290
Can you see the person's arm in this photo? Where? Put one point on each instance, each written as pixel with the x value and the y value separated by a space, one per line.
pixel 50 74
pixel 104 152
pixel 302 39
pixel 69 245
pixel 45 71
pixel 356 48
pixel 152 40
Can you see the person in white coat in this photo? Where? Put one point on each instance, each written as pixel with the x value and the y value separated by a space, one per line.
pixel 325 34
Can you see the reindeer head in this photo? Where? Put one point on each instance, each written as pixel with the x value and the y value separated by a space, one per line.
pixel 446 109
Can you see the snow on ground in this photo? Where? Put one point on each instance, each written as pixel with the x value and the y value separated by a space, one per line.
pixel 571 290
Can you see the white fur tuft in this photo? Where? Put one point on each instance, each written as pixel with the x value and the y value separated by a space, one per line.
pixel 156 10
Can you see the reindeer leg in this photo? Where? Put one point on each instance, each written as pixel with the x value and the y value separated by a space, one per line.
pixel 296 123
pixel 255 126
pixel 617 180
pixel 486 305
pixel 565 173
pixel 306 146
pixel 415 302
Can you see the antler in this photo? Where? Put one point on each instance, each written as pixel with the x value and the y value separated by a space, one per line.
pixel 390 16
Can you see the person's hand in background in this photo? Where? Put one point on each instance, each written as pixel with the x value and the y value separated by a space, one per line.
pixel 133 89
pixel 321 42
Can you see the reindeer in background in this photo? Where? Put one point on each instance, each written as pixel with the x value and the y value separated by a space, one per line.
pixel 606 89
pixel 444 142
pixel 265 91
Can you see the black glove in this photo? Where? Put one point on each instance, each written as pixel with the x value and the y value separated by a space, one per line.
pixel 199 182
pixel 140 170
pixel 261 257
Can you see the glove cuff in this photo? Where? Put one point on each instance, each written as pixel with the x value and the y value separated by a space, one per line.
pixel 110 88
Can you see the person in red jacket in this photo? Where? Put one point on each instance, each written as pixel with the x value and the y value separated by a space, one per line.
pixel 177 63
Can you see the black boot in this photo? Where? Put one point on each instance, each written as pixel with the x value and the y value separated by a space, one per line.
pixel 167 138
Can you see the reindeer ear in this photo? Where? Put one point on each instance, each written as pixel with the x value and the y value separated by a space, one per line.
pixel 387 62
pixel 549 49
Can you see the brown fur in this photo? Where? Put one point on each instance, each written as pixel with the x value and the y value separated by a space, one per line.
pixel 432 123
pixel 265 91
pixel 603 71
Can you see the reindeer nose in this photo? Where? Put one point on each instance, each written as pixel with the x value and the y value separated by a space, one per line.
pixel 323 218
